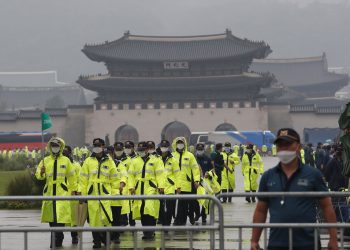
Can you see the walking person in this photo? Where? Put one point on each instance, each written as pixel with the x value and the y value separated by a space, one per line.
pixel 58 173
pixel 290 175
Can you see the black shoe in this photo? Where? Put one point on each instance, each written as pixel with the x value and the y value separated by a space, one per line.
pixel 196 218
pixel 253 199
pixel 97 245
pixel 204 222
pixel 247 199
pixel 192 221
pixel 75 240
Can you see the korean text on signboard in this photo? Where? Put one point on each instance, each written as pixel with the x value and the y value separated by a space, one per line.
pixel 176 65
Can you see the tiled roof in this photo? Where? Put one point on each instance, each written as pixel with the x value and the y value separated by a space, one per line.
pixel 298 71
pixel 189 48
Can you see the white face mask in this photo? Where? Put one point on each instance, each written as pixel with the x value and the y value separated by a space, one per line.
pixel 227 149
pixel 151 151
pixel 164 149
pixel 249 151
pixel 127 151
pixel 286 156
pixel 180 146
pixel 141 153
pixel 200 152
pixel 118 153
pixel 55 150
pixel 97 150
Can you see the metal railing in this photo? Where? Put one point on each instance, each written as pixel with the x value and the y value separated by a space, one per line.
pixel 289 226
pixel 212 227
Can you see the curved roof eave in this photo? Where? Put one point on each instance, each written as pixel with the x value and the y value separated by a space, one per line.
pixel 101 58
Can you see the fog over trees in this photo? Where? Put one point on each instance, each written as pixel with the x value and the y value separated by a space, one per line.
pixel 49 35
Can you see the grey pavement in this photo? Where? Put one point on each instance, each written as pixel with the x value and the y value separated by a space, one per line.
pixel 239 211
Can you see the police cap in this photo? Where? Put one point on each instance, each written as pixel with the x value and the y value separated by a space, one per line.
pixel 200 146
pixel 151 144
pixel 227 144
pixel 141 146
pixel 98 142
pixel 287 135
pixel 129 144
pixel 118 145
pixel 164 143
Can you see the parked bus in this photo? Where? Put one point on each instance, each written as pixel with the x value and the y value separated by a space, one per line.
pixel 257 138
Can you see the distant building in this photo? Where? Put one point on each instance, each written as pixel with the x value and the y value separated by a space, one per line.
pixel 308 76
pixel 37 90
pixel 172 71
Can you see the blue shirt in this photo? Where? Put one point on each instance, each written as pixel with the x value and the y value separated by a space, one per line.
pixel 292 209
pixel 204 162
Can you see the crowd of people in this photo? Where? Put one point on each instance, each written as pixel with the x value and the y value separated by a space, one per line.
pixel 144 168
pixel 147 168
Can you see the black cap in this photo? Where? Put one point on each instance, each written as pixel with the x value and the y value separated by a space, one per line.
pixel 119 145
pixel 227 144
pixel 288 135
pixel 98 142
pixel 164 143
pixel 110 149
pixel 68 148
pixel 129 144
pixel 218 146
pixel 200 146
pixel 142 146
pixel 151 144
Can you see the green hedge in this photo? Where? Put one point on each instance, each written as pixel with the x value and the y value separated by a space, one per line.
pixel 16 163
pixel 23 183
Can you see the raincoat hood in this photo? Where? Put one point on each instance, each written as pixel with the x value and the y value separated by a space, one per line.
pixel 181 138
pixel 57 140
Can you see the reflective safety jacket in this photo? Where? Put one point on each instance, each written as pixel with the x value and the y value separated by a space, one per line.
pixel 126 204
pixel 74 204
pixel 121 177
pixel 99 177
pixel 274 150
pixel 264 148
pixel 172 171
pixel 146 175
pixel 302 156
pixel 59 175
pixel 236 149
pixel 252 167
pixel 228 179
pixel 189 169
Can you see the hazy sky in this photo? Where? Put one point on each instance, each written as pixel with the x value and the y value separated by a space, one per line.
pixel 49 35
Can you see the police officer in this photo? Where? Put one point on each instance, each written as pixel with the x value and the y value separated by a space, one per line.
pixel 189 180
pixel 151 146
pixel 202 159
pixel 171 184
pixel 228 182
pixel 58 172
pixel 121 180
pixel 129 150
pixel 252 167
pixel 98 177
pixel 146 177
pixel 205 166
